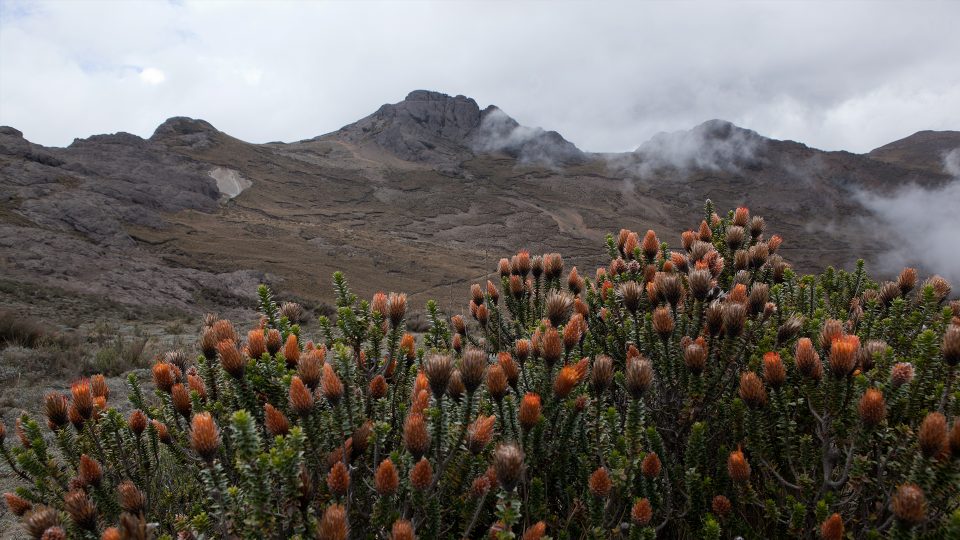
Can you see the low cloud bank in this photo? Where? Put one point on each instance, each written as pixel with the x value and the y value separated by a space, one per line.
pixel 923 224
pixel 499 132
pixel 715 145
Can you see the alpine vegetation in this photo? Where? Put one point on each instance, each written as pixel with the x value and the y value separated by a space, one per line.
pixel 704 391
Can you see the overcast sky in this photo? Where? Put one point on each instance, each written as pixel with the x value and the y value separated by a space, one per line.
pixel 835 75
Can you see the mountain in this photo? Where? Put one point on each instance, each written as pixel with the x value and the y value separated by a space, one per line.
pixel 422 196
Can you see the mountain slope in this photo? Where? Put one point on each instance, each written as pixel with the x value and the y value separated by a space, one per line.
pixel 421 196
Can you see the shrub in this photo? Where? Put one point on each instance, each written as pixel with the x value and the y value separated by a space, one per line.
pixel 19 330
pixel 701 393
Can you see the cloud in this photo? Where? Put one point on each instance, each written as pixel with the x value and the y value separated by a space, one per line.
pixel 152 76
pixel 607 79
pixel 714 145
pixel 500 133
pixel 921 224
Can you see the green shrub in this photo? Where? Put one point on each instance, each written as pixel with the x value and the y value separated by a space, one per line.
pixel 708 392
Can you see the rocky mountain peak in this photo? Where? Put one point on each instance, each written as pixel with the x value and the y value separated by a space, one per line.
pixel 184 131
pixel 437 128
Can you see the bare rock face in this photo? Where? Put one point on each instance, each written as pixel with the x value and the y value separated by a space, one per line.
pixel 435 128
pixel 187 132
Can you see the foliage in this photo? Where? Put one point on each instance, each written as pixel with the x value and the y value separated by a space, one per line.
pixel 708 392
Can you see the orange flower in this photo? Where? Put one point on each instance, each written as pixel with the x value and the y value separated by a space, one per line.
pixel 479 433
pixel 275 421
pixel 131 499
pixel 721 506
pixel 421 475
pixel 807 359
pixel 17 505
pixel 832 528
pixel 83 398
pixel 338 479
pixel 663 322
pixel 301 400
pixel 181 400
pixel 386 480
pixel 409 346
pixel 89 471
pixel 98 385
pixel 496 382
pixel 333 525
pixel 843 355
pixel 933 434
pixel 81 509
pixel 230 358
pixel 196 385
pixel 737 467
pixel 642 512
pixel 111 533
pixel 256 344
pixel 331 385
pixel 510 368
pixel 310 366
pixel 162 432
pixel 204 435
pixel 872 407
pixel 651 465
pixel 378 387
pixel 773 370
pixel 291 351
pixel 402 530
pixel 529 413
pixel 137 422
pixel 379 304
pixel 570 376
pixel 552 346
pixel 57 408
pixel 420 403
pixel 415 436
pixel 397 308
pixel 599 483
pixel 535 531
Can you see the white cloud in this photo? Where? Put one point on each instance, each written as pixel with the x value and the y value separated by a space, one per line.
pixel 844 75
pixel 152 76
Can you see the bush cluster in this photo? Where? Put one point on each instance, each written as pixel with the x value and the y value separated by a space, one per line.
pixel 706 392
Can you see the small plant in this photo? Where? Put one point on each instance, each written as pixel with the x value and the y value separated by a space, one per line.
pixel 703 392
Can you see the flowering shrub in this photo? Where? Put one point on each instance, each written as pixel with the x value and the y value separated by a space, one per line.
pixel 707 392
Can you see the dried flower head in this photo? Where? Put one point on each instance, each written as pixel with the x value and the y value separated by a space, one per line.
pixel 734 318
pixel 933 434
pixel 397 308
pixel 130 497
pixel 438 368
pixel 807 359
pixel 473 366
pixel 951 345
pixel 310 366
pixel 601 376
pixel 89 471
pixel 137 421
pixel 17 504
pixel 721 506
pixel 639 376
pixel 41 518
pixel 650 466
pixel 558 307
pixel 752 391
pixel 508 464
pixel 338 479
pixel 909 504
pixel 663 322
pixel 56 407
pixel 695 356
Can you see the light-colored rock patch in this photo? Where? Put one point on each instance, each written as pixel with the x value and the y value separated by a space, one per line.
pixel 230 182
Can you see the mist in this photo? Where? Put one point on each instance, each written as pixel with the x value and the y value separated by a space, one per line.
pixel 922 225
pixel 498 132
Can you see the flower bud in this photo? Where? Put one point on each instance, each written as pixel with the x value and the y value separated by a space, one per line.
pixel 737 467
pixel 933 434
pixel 508 463
pixel 386 480
pixel 832 528
pixel 650 466
pixel 872 407
pixel 600 483
pixel 642 512
pixel 204 436
pixel 909 504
